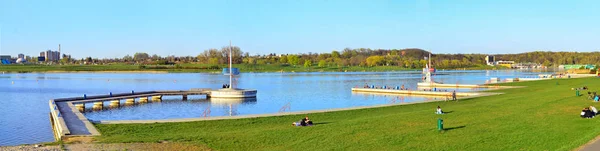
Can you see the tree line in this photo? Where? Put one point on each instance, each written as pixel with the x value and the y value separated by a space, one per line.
pixel 412 58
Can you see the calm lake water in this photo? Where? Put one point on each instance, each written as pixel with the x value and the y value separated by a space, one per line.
pixel 24 97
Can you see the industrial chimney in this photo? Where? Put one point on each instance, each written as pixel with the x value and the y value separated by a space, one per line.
pixel 58 51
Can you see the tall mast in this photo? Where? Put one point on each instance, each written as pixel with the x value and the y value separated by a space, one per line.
pixel 429 60
pixel 230 69
pixel 429 70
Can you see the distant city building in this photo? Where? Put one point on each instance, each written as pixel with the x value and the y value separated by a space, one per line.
pixel 577 66
pixel 508 64
pixel 490 60
pixel 5 59
pixel 50 55
pixel 21 56
pixel 21 60
pixel 41 58
pixel 528 65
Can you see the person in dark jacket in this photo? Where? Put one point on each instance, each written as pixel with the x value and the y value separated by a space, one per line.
pixel 454 95
pixel 306 122
pixel 586 113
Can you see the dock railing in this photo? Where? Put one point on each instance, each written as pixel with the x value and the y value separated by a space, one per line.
pixel 58 123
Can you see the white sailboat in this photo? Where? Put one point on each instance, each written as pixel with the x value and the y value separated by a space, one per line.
pixel 428 71
pixel 231 91
pixel 430 83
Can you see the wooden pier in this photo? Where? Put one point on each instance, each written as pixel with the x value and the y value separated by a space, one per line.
pixel 133 95
pixel 68 121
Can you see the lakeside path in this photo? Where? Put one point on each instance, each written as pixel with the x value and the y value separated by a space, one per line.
pixel 542 116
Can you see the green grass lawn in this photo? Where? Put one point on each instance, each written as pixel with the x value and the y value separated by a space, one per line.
pixel 543 116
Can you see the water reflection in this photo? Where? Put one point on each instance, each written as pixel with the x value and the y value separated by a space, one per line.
pixel 227 101
pixel 230 104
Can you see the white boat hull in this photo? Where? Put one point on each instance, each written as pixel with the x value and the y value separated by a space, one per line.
pixel 233 93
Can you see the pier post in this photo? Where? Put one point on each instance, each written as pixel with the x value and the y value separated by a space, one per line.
pixel 98 106
pixel 143 100
pixel 114 104
pixel 80 107
pixel 156 98
pixel 129 102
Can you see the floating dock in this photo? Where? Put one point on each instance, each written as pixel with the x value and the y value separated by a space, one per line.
pixel 440 85
pixel 412 92
pixel 434 94
pixel 469 86
pixel 68 121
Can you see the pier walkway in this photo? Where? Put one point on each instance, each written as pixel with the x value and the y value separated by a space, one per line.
pixel 132 95
pixel 68 120
pixel 72 121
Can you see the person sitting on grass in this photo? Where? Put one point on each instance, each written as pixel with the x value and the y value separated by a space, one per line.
pixel 589 113
pixel 303 122
pixel 586 113
pixel 594 110
pixel 306 121
pixel 439 110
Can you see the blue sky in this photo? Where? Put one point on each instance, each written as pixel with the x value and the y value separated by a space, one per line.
pixel 108 29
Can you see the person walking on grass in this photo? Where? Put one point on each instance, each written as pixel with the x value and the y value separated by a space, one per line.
pixel 454 95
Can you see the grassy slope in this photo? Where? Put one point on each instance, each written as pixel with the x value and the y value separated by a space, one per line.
pixel 543 116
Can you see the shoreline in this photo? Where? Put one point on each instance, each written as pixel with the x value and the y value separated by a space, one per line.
pixel 162 72
pixel 101 72
pixel 176 120
pixel 209 68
